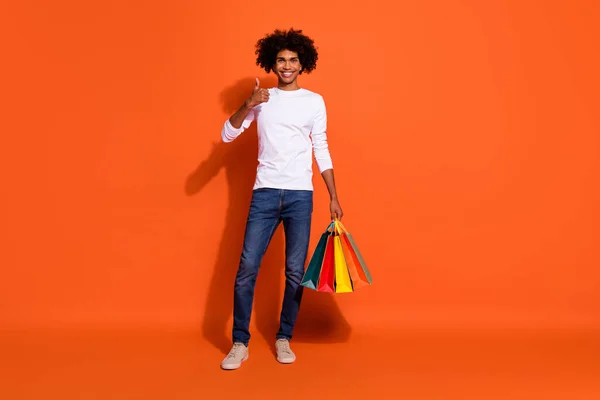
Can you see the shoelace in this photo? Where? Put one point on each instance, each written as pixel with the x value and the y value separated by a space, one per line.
pixel 284 347
pixel 235 352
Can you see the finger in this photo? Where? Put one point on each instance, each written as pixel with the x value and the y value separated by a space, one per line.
pixel 257 83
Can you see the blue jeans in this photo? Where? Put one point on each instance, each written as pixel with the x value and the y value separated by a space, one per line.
pixel 268 208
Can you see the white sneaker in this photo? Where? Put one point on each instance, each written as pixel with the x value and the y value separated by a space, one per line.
pixel 285 355
pixel 237 355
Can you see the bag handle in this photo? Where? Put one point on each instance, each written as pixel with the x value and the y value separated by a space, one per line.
pixel 339 227
pixel 332 224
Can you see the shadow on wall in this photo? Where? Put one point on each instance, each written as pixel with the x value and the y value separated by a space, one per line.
pixel 320 319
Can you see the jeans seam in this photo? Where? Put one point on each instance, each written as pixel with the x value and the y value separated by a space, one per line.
pixel 281 199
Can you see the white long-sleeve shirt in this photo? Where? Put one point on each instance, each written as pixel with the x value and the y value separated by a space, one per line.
pixel 291 126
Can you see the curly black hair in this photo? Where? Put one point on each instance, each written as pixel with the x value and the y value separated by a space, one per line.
pixel 269 46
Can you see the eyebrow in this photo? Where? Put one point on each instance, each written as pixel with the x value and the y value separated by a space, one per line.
pixel 291 58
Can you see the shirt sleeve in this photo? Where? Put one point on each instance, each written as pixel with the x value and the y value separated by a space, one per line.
pixel 319 138
pixel 229 133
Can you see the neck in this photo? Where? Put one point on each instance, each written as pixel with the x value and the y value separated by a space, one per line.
pixel 288 86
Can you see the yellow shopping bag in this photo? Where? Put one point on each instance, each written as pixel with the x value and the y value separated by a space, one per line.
pixel 343 284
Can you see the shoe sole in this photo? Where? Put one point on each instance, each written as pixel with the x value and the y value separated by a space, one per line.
pixel 285 361
pixel 234 366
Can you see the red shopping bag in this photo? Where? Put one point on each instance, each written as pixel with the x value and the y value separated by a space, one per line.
pixel 327 277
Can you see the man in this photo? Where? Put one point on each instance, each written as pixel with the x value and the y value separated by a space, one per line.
pixel 291 125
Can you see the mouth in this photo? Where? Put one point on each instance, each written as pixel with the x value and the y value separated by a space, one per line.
pixel 287 74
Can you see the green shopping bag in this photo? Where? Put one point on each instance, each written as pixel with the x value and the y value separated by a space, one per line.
pixel 313 271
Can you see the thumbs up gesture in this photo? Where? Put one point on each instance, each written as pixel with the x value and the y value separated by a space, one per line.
pixel 258 95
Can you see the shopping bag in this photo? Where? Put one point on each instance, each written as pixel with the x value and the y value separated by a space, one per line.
pixel 358 280
pixel 336 265
pixel 342 277
pixel 359 273
pixel 327 278
pixel 313 271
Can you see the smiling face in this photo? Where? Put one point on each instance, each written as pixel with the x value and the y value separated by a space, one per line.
pixel 287 67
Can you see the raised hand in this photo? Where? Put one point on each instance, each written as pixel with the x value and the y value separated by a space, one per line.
pixel 258 95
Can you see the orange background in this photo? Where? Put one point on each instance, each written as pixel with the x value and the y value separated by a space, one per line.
pixel 464 135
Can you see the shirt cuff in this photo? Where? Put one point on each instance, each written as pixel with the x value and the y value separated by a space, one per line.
pixel 233 129
pixel 324 165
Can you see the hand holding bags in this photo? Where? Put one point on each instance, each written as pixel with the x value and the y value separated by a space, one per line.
pixel 336 265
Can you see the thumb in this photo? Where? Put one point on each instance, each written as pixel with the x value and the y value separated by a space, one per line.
pixel 257 84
